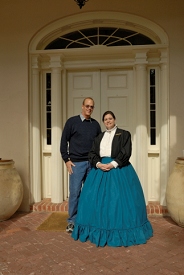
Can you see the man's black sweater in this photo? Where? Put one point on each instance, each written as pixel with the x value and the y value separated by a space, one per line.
pixel 77 138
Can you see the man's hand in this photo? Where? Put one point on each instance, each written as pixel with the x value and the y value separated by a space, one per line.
pixel 69 165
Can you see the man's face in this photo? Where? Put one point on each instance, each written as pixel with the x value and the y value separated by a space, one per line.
pixel 87 108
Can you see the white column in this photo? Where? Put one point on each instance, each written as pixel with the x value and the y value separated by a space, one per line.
pixel 56 161
pixel 141 129
pixel 35 132
pixel 64 118
pixel 164 132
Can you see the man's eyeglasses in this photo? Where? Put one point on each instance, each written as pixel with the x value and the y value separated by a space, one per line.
pixel 89 106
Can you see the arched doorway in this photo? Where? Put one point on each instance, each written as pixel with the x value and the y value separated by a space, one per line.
pixel 129 78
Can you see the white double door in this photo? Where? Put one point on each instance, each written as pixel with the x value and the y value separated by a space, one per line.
pixel 111 90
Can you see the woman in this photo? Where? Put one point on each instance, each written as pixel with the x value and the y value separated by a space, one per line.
pixel 112 208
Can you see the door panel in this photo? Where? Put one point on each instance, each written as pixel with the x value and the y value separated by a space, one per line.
pixel 81 85
pixel 116 95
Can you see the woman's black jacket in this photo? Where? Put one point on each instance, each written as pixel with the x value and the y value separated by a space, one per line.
pixel 121 148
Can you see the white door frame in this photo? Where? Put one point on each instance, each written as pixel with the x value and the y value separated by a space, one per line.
pixel 139 58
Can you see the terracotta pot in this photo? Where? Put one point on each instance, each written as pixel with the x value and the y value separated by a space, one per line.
pixel 175 192
pixel 11 189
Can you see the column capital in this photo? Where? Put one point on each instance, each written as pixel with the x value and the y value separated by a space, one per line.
pixel 55 61
pixel 35 61
pixel 140 57
pixel 163 56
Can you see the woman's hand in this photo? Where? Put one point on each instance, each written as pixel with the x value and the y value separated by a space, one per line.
pixel 105 167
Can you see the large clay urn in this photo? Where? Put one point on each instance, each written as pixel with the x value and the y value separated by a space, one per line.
pixel 11 189
pixel 175 192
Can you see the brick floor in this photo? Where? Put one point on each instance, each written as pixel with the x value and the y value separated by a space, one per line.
pixel 24 250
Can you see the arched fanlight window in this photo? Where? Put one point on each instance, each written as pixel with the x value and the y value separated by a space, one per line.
pixel 99 36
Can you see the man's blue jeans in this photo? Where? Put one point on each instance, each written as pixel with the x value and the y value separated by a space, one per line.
pixel 77 178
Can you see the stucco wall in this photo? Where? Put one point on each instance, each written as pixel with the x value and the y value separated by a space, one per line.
pixel 20 20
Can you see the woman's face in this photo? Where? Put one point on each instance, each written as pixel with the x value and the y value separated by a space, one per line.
pixel 109 121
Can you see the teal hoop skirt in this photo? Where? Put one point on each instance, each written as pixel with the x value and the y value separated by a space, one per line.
pixel 112 209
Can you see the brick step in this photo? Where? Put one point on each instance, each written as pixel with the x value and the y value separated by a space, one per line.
pixel 153 208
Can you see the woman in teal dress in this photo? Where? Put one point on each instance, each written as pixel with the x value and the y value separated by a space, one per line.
pixel 112 209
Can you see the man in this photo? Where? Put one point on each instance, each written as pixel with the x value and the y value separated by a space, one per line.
pixel 76 142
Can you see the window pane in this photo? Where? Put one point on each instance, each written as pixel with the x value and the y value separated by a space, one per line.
pixel 48 120
pixel 153 136
pixel 73 35
pixel 106 31
pixel 48 108
pixel 119 43
pixel 152 95
pixel 49 136
pixel 75 45
pixel 48 97
pixel 152 119
pixel 57 44
pixel 48 81
pixel 89 32
pixel 152 77
pixel 140 39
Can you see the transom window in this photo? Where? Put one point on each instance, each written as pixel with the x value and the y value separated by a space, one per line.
pixel 106 36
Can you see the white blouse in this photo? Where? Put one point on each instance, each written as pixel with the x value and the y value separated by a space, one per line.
pixel 106 144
